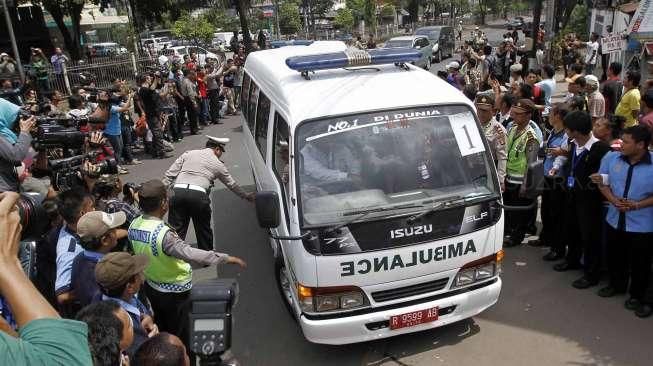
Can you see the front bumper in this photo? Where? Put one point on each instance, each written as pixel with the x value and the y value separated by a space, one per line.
pixel 373 325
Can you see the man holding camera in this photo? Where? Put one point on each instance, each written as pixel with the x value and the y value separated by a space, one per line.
pixel 149 105
pixel 13 149
pixel 168 275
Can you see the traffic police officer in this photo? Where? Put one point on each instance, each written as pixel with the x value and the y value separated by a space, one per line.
pixel 495 134
pixel 522 147
pixel 191 177
pixel 168 275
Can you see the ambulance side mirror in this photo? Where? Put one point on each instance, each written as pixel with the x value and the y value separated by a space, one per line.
pixel 267 209
pixel 535 179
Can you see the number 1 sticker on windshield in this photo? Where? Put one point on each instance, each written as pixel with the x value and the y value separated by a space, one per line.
pixel 467 135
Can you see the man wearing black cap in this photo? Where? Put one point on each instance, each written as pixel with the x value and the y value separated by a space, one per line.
pixel 191 177
pixel 495 134
pixel 522 147
pixel 168 275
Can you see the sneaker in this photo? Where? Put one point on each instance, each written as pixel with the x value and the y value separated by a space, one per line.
pixel 122 170
pixel 134 162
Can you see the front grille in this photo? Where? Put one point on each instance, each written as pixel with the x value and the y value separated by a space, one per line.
pixel 401 292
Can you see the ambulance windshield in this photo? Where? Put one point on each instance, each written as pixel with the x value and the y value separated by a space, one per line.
pixel 403 158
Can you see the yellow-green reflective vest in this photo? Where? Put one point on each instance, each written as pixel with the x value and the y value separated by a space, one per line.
pixel 164 273
pixel 517 159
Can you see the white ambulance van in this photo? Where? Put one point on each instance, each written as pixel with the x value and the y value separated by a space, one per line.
pixel 377 187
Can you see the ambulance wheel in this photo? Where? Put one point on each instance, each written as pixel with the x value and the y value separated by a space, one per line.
pixel 284 285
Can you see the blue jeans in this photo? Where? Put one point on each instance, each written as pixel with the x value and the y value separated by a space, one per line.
pixel 116 143
pixel 204 110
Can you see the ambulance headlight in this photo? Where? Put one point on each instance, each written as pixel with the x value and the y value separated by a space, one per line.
pixel 479 270
pixel 325 299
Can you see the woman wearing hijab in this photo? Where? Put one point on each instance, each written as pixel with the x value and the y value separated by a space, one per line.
pixel 13 148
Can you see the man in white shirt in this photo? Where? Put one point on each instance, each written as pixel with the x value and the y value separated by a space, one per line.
pixel 592 53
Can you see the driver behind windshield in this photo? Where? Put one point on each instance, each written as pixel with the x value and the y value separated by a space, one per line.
pixel 329 160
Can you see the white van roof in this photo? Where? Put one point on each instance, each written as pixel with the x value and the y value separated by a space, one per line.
pixel 339 91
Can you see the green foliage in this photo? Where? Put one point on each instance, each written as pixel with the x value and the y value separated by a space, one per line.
pixel 194 30
pixel 219 20
pixel 344 19
pixel 578 22
pixel 388 11
pixel 290 22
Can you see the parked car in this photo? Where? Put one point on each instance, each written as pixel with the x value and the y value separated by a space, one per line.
pixel 420 43
pixel 442 39
pixel 515 23
pixel 108 49
pixel 178 53
pixel 158 43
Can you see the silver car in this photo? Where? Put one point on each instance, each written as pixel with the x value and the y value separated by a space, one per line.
pixel 420 43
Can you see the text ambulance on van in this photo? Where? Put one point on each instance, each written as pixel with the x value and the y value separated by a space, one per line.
pixel 380 194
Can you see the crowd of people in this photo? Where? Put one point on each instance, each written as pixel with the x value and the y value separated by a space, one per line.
pixel 109 279
pixel 595 145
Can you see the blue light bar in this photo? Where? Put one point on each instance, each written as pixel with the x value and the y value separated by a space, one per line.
pixel 292 42
pixel 351 58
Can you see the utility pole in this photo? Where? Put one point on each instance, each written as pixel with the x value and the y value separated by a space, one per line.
pixel 550 20
pixel 12 37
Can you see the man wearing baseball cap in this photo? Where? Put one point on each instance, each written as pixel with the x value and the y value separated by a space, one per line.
pixel 495 134
pixel 98 235
pixel 192 176
pixel 522 151
pixel 168 275
pixel 120 276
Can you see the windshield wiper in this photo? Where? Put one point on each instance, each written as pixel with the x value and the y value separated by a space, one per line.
pixel 363 213
pixel 437 205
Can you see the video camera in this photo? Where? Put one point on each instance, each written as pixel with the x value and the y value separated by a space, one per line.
pixel 210 318
pixel 65 171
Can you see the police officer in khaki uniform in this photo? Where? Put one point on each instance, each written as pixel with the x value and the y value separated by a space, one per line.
pixel 191 177
pixel 495 134
pixel 522 147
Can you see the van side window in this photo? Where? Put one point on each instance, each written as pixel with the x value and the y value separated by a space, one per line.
pixel 251 113
pixel 244 95
pixel 280 151
pixel 262 117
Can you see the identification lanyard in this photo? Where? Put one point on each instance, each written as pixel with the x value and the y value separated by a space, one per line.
pixel 575 159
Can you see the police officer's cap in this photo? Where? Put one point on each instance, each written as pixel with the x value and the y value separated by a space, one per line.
pixel 152 189
pixel 525 105
pixel 214 142
pixel 484 101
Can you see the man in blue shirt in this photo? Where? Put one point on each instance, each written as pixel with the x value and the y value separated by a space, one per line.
pixel 98 235
pixel 113 130
pixel 625 179
pixel 73 204
pixel 120 277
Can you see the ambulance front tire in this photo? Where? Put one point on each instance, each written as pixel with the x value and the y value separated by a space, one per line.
pixel 283 285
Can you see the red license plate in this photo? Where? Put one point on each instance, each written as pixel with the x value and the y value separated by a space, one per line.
pixel 413 318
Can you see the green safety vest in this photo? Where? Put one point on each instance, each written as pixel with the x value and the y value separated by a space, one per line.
pixel 163 272
pixel 517 160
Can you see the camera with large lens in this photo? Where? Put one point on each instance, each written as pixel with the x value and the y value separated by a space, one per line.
pixel 33 217
pixel 51 136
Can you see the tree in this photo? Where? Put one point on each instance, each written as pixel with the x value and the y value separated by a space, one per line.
pixel 241 7
pixel 219 19
pixel 195 30
pixel 59 9
pixel 316 9
pixel 344 19
pixel 577 22
pixel 290 22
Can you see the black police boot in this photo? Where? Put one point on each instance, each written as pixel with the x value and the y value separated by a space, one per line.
pixel 584 282
pixel 632 304
pixel 644 311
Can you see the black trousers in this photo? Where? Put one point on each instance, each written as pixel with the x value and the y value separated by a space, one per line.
pixel 154 124
pixel 170 311
pixel 191 110
pixel 174 127
pixel 214 105
pixel 516 221
pixel 629 257
pixel 585 216
pixel 187 204
pixel 552 212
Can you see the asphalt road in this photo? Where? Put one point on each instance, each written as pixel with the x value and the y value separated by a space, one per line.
pixel 539 319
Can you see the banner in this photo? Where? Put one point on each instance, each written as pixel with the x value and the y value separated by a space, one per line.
pixel 641 26
pixel 612 43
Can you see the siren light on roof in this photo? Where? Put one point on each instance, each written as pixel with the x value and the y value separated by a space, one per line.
pixel 352 57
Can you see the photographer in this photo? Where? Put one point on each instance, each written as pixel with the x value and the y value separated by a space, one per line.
pixel 13 149
pixel 11 93
pixel 113 130
pixel 150 106
pixel 7 64
pixel 39 64
pixel 43 336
